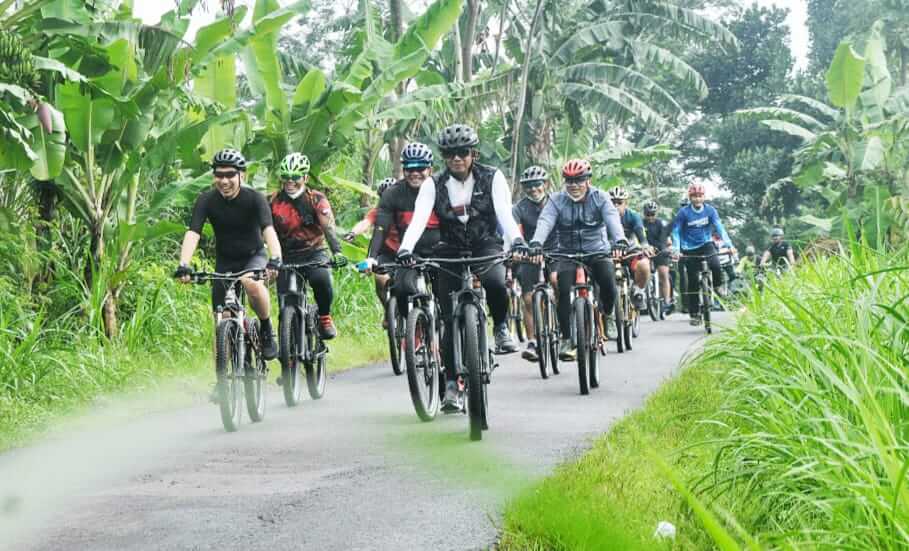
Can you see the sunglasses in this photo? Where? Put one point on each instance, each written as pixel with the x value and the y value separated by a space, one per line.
pixel 413 169
pixel 224 175
pixel 461 152
pixel 291 178
pixel 576 183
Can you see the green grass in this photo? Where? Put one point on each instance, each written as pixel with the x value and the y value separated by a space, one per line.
pixel 792 427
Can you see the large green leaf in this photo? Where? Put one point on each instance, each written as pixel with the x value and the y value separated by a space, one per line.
pixel 878 82
pixel 789 128
pixel 819 106
pixel 782 114
pixel 121 55
pixel 50 147
pixel 845 76
pixel 615 103
pixel 610 34
pixel 267 24
pixel 73 10
pixel 869 155
pixel 310 88
pixel 86 119
pixel 263 69
pixel 663 17
pixel 646 53
pixel 48 64
pixel 211 36
pixel 16 152
pixel 628 79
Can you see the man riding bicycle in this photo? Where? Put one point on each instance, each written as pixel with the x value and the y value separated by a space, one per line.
pixel 392 238
pixel 471 201
pixel 240 218
pixel 393 216
pixel 304 222
pixel 692 234
pixel 585 221
pixel 779 251
pixel 656 231
pixel 534 181
pixel 634 226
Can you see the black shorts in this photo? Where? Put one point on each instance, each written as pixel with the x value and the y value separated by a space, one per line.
pixel 219 288
pixel 527 274
pixel 661 259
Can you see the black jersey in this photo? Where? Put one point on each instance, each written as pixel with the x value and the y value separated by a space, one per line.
pixel 526 213
pixel 238 222
pixel 656 232
pixel 779 250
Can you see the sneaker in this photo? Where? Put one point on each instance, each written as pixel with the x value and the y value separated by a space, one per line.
pixel 269 346
pixel 327 328
pixel 452 401
pixel 695 320
pixel 666 307
pixel 530 353
pixel 637 299
pixel 504 343
pixel 567 351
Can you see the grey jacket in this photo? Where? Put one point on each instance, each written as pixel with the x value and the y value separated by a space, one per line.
pixel 588 226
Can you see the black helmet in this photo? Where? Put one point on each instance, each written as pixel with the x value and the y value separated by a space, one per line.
pixel 534 175
pixel 776 232
pixel 458 135
pixel 650 207
pixel 384 184
pixel 229 157
pixel 416 154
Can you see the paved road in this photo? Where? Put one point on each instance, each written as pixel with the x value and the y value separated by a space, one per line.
pixel 355 470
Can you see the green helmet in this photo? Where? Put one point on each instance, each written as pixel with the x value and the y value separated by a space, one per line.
pixel 294 166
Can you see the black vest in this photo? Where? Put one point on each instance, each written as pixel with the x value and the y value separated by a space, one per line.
pixel 482 226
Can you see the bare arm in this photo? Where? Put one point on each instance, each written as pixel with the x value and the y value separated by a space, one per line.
pixel 501 200
pixel 190 242
pixel 271 241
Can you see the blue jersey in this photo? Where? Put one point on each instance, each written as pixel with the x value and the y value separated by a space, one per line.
pixel 633 224
pixel 692 229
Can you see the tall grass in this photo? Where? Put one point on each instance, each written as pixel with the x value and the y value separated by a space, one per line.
pixel 816 406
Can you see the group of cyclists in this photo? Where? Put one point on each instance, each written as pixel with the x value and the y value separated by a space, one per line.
pixel 463 210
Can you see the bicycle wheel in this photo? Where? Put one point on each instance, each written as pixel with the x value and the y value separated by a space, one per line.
pixel 706 302
pixel 470 348
pixel 228 366
pixel 619 323
pixel 540 325
pixel 554 335
pixel 394 340
pixel 635 323
pixel 316 376
pixel 421 357
pixel 627 319
pixel 515 315
pixel 582 339
pixel 653 301
pixel 291 377
pixel 593 360
pixel 254 374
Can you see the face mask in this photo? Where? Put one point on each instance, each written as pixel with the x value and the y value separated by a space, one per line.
pixel 296 194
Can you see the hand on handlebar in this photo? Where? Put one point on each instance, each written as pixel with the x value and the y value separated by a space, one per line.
pixel 183 273
pixel 349 237
pixel 365 267
pixel 406 258
pixel 535 252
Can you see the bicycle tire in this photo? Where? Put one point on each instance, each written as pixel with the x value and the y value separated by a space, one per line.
pixel 291 377
pixel 515 316
pixel 542 332
pixel 706 302
pixel 554 335
pixel 619 324
pixel 394 341
pixel 420 349
pixel 653 304
pixel 582 341
pixel 626 319
pixel 254 374
pixel 227 367
pixel 316 376
pixel 593 360
pixel 635 323
pixel 470 347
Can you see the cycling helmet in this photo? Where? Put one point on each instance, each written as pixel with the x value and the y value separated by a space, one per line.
pixel 416 155
pixel 618 193
pixel 384 184
pixel 696 188
pixel 534 176
pixel 750 250
pixel 683 202
pixel 576 169
pixel 458 135
pixel 229 157
pixel 650 207
pixel 294 165
pixel 776 232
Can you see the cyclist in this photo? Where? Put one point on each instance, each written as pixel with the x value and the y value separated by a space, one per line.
pixel 779 251
pixel 692 232
pixel 304 222
pixel 526 212
pixel 393 216
pixel 471 201
pixel 634 226
pixel 241 219
pixel 388 248
pixel 680 275
pixel 584 221
pixel 657 232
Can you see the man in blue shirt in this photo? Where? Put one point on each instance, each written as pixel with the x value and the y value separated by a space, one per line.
pixel 692 234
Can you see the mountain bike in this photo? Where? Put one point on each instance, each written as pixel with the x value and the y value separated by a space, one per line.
pixel 473 359
pixel 652 294
pixel 299 340
pixel 394 328
pixel 239 361
pixel 588 324
pixel 705 289
pixel 515 305
pixel 546 325
pixel 630 325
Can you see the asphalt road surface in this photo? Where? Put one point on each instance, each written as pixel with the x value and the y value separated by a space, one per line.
pixel 355 470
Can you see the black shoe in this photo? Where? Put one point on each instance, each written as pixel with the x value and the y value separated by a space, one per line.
pixel 504 343
pixel 695 320
pixel 269 346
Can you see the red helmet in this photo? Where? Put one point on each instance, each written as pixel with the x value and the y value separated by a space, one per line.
pixel 696 189
pixel 576 169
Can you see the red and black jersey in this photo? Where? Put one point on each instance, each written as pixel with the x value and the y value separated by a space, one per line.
pixel 302 224
pixel 392 237
pixel 394 214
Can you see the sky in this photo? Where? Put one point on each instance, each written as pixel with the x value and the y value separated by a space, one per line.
pixel 151 11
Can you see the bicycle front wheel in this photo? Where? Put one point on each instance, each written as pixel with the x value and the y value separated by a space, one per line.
pixel 582 340
pixel 394 339
pixel 706 302
pixel 619 323
pixel 291 376
pixel 316 370
pixel 470 348
pixel 653 301
pixel 228 369
pixel 423 363
pixel 552 327
pixel 541 326
pixel 254 374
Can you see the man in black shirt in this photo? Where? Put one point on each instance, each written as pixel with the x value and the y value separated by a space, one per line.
pixel 780 251
pixel 240 217
pixel 526 212
pixel 657 233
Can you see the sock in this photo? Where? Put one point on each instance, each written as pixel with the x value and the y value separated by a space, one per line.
pixel 265 325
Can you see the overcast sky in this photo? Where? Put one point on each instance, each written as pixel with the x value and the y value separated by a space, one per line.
pixel 151 11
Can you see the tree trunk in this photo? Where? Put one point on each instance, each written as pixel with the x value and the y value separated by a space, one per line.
pixel 397 143
pixel 501 33
pixel 522 98
pixel 468 36
pixel 456 43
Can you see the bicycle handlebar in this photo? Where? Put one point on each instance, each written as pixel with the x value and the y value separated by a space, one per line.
pixel 202 277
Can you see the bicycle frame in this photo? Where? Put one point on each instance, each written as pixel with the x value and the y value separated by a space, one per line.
pixel 297 297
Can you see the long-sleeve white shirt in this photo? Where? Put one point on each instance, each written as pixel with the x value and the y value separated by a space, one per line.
pixel 460 193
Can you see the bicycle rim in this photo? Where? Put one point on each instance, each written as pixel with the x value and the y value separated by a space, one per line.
pixel 593 365
pixel 422 364
pixel 315 368
pixel 394 342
